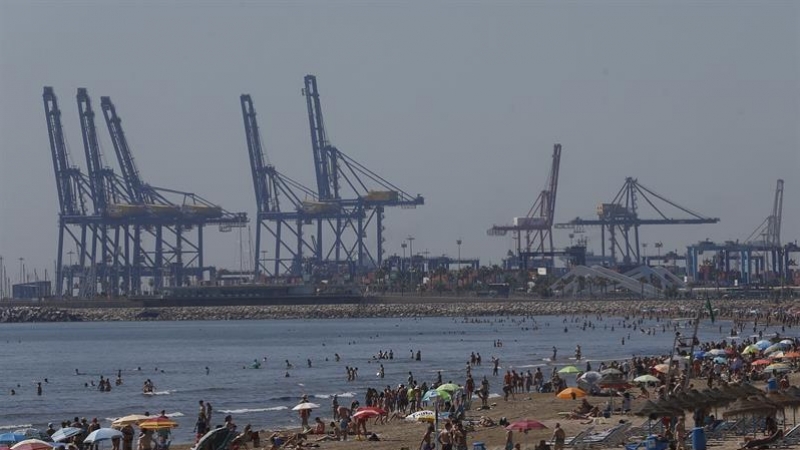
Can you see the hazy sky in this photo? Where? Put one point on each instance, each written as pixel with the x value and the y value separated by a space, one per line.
pixel 460 102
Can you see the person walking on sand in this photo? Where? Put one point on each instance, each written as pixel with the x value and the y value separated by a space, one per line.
pixel 509 440
pixel 559 437
pixel 427 439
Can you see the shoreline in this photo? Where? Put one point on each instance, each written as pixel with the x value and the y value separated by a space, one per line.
pixel 392 307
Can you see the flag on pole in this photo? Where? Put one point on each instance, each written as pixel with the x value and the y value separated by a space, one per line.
pixel 710 309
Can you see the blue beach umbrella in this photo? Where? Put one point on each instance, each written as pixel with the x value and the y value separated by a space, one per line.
pixel 66 433
pixel 762 344
pixel 433 395
pixel 102 434
pixel 12 438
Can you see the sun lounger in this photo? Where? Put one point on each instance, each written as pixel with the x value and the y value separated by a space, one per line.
pixel 609 438
pixel 791 437
pixel 764 442
pixel 572 440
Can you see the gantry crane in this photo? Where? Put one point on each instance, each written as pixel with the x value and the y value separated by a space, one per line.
pixel 107 215
pixel 160 221
pixel 75 219
pixel 106 190
pixel 284 206
pixel 621 216
pixel 359 193
pixel 536 228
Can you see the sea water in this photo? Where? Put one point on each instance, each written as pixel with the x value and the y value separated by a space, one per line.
pixel 174 356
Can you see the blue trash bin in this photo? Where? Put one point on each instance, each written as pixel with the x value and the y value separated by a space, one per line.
pixel 772 384
pixel 698 438
pixel 478 446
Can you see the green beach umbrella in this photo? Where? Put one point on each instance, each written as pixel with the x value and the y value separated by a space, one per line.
pixel 569 369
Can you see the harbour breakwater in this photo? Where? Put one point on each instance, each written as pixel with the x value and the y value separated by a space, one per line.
pixel 384 307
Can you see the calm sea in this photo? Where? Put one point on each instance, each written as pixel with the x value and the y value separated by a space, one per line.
pixel 174 356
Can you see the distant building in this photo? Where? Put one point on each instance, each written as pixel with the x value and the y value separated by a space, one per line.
pixel 31 291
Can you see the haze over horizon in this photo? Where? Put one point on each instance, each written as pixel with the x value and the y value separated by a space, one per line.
pixel 460 103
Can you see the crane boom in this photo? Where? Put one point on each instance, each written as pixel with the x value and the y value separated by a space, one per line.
pixel 553 188
pixel 774 226
pixel 325 164
pixel 130 174
pixel 261 185
pixel 68 191
pixel 92 148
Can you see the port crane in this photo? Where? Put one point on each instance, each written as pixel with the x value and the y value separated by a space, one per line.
pixel 159 221
pixel 359 193
pixel 534 232
pixel 285 207
pixel 117 224
pixel 76 223
pixel 620 219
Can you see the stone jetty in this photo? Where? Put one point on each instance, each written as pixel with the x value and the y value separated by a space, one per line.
pixel 398 307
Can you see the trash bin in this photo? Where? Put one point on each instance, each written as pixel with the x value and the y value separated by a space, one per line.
pixel 772 384
pixel 698 438
pixel 651 442
pixel 478 446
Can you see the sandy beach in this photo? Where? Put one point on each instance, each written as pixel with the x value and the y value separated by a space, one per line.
pixel 545 407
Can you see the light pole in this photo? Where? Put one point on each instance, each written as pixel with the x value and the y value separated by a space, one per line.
pixel 410 240
pixel 403 269
pixel 658 246
pixel 644 257
pixel 21 260
pixel 458 271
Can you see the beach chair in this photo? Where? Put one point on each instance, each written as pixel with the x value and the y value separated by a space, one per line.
pixel 791 437
pixel 570 441
pixel 610 438
pixel 723 429
pixel 644 429
pixel 770 441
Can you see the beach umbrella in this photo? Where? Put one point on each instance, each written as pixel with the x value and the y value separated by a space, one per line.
pixel 610 371
pixel 33 433
pixel 721 360
pixel 762 344
pixel 425 415
pixel 434 394
pixel 367 413
pixel 215 439
pixel 750 350
pixel 773 348
pixel 761 362
pixel 66 433
pixel 526 425
pixel 32 444
pixel 787 342
pixel 748 407
pixel 158 423
pixel 11 438
pixel 777 355
pixel 305 405
pixel 372 408
pixel 591 376
pixel 715 352
pixel 448 387
pixel 570 393
pixel 792 354
pixel 102 434
pixel 132 419
pixel 780 367
pixel 569 370
pixel 663 368
pixel 646 379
